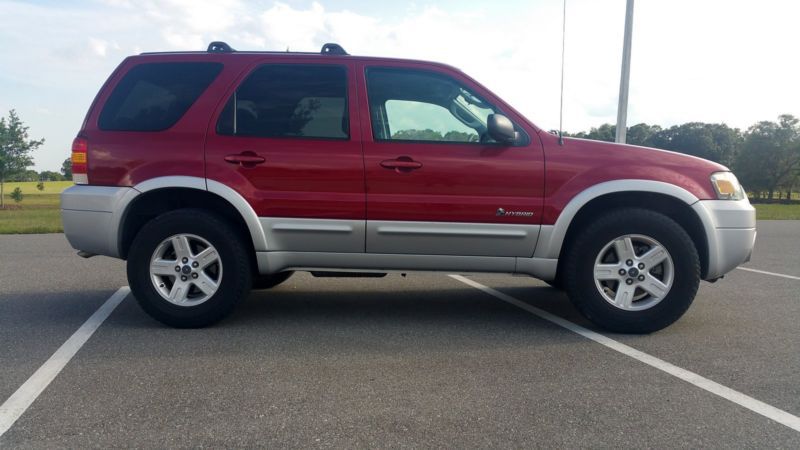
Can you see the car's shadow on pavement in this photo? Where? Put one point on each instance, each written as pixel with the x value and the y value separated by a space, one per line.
pixel 288 320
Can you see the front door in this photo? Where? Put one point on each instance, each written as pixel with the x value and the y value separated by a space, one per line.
pixel 436 182
pixel 284 139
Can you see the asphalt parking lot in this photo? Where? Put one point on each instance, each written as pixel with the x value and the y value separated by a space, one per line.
pixel 425 360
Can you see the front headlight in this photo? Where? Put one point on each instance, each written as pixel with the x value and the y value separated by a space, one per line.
pixel 727 186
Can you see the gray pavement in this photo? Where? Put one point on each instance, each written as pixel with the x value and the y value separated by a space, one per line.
pixel 416 361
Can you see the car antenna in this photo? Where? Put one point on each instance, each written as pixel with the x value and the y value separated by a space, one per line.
pixel 561 103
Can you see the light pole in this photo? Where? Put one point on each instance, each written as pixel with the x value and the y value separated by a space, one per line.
pixel 625 77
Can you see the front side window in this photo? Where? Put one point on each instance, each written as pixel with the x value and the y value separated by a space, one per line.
pixel 154 96
pixel 284 101
pixel 424 106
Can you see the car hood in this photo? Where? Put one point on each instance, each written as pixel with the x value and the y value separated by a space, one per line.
pixel 649 155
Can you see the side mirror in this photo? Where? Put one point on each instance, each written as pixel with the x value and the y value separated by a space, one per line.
pixel 501 129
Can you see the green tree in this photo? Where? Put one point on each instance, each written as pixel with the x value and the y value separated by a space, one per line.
pixel 16 194
pixel 418 135
pixel 639 134
pixel 460 136
pixel 24 175
pixel 605 132
pixel 66 169
pixel 713 141
pixel 642 134
pixel 47 175
pixel 770 156
pixel 15 148
pixel 431 135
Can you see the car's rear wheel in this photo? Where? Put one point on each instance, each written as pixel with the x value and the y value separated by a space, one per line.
pixel 188 268
pixel 270 281
pixel 632 271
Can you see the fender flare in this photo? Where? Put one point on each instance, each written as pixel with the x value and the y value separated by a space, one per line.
pixel 551 237
pixel 235 199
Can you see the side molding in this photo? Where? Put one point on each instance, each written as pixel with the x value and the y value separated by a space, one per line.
pixel 451 238
pixel 314 235
pixel 551 238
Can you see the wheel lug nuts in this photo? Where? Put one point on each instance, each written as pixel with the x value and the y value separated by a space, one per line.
pixel 177 268
pixel 641 277
pixel 641 266
pixel 629 281
pixel 185 260
pixel 183 278
pixel 629 262
pixel 195 264
pixel 194 275
pixel 622 271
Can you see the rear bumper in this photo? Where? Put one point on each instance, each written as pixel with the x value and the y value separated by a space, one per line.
pixel 730 228
pixel 92 217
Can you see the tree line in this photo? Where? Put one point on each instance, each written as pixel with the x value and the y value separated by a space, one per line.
pixel 46 175
pixel 765 157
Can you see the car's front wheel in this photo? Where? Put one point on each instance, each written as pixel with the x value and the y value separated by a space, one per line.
pixel 188 268
pixel 632 271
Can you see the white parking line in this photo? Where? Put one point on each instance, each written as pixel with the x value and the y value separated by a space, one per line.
pixel 21 400
pixel 713 387
pixel 782 275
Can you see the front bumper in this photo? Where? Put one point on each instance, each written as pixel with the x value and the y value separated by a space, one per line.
pixel 730 228
pixel 92 217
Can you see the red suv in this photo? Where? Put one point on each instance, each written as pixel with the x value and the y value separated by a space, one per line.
pixel 214 172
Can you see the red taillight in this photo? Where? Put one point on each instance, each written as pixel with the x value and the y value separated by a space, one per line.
pixel 80 147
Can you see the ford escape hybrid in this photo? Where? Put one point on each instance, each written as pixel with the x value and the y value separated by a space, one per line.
pixel 213 172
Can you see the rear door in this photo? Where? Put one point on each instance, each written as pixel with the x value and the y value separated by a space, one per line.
pixel 436 182
pixel 286 139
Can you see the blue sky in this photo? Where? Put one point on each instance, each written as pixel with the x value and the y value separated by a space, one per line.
pixel 693 60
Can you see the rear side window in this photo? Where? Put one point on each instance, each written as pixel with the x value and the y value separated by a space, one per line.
pixel 154 96
pixel 285 101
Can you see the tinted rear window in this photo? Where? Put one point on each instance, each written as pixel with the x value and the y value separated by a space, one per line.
pixel 289 101
pixel 152 97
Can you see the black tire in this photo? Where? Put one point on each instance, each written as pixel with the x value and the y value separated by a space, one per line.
pixel 234 281
pixel 579 271
pixel 270 281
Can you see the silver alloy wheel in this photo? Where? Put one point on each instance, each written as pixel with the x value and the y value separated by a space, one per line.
pixel 634 272
pixel 186 269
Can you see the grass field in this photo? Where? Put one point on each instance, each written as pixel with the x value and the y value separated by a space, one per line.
pixel 773 211
pixel 39 210
pixel 29 187
pixel 36 213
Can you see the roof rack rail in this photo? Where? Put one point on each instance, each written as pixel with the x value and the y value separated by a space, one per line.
pixel 333 49
pixel 219 47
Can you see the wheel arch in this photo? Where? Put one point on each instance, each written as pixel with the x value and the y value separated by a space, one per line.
pixel 668 199
pixel 159 195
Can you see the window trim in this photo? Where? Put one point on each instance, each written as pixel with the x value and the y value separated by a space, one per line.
pixel 524 140
pixel 234 94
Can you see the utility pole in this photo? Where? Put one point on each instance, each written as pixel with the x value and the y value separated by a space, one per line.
pixel 625 77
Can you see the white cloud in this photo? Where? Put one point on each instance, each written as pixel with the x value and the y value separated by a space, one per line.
pixel 98 46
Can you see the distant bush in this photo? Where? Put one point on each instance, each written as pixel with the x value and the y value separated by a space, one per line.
pixel 16 194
